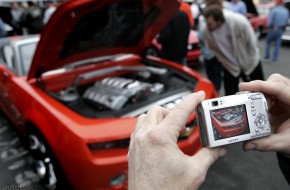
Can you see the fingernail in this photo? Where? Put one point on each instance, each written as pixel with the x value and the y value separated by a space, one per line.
pixel 202 93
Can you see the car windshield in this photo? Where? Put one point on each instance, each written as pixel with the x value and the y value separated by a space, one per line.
pixel 26 54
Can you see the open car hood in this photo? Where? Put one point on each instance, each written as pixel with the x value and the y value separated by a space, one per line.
pixel 84 29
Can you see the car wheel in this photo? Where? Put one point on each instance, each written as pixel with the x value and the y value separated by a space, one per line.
pixel 153 51
pixel 45 163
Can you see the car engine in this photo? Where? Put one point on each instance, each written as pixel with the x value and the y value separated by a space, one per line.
pixel 115 92
pixel 124 91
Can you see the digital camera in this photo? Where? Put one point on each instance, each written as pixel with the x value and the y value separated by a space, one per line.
pixel 232 119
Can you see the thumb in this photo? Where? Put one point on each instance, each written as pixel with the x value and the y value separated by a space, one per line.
pixel 275 142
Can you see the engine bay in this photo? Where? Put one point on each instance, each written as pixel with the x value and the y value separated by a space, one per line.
pixel 125 95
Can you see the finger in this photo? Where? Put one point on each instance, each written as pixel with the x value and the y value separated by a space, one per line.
pixel 178 116
pixel 207 156
pixel 272 79
pixel 139 123
pixel 274 142
pixel 279 78
pixel 131 143
pixel 269 88
pixel 156 114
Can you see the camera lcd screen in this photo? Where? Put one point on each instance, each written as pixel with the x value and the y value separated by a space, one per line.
pixel 229 122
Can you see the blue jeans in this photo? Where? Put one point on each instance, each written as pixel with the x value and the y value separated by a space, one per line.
pixel 274 35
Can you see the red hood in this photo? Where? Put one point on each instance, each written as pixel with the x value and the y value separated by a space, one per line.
pixel 84 29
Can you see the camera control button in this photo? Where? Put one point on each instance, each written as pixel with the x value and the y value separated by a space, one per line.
pixel 256 130
pixel 253 113
pixel 256 96
pixel 252 105
pixel 261 121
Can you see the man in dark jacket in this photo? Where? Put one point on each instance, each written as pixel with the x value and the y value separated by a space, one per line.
pixel 32 19
pixel 174 38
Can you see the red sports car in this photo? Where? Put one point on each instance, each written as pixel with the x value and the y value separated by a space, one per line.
pixel 229 122
pixel 193 48
pixel 76 90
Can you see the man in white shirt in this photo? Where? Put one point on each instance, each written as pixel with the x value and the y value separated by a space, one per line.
pixel 231 38
pixel 49 11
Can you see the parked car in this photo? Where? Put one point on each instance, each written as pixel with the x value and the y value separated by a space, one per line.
pixel 75 91
pixel 193 48
pixel 229 122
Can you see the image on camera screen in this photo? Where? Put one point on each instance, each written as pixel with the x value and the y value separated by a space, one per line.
pixel 229 122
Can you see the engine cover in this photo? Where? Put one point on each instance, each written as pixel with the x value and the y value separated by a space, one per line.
pixel 114 93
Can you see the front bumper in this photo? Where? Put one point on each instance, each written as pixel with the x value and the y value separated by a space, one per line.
pixel 100 168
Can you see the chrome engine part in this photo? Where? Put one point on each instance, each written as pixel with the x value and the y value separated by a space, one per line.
pixel 115 92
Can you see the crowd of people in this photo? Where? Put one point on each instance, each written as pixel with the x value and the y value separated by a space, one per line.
pixel 27 18
pixel 228 41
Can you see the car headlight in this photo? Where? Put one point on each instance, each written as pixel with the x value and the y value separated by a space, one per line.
pixel 124 143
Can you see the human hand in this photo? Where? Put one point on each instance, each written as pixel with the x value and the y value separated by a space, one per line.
pixel 277 88
pixel 155 160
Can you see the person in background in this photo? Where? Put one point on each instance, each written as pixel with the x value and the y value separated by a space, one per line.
pixel 156 162
pixel 174 38
pixel 237 6
pixel 212 65
pixel 3 32
pixel 50 8
pixel 32 18
pixel 231 38
pixel 277 22
pixel 185 7
pixel 17 12
pixel 195 10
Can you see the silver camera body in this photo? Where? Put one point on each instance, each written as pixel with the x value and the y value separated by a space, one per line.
pixel 232 119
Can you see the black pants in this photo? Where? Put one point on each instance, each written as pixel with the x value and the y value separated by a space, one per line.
pixel 214 71
pixel 231 83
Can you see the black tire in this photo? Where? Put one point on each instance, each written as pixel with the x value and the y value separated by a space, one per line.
pixel 153 51
pixel 45 163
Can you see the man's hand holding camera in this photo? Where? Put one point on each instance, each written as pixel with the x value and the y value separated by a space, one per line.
pixel 155 160
pixel 277 88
